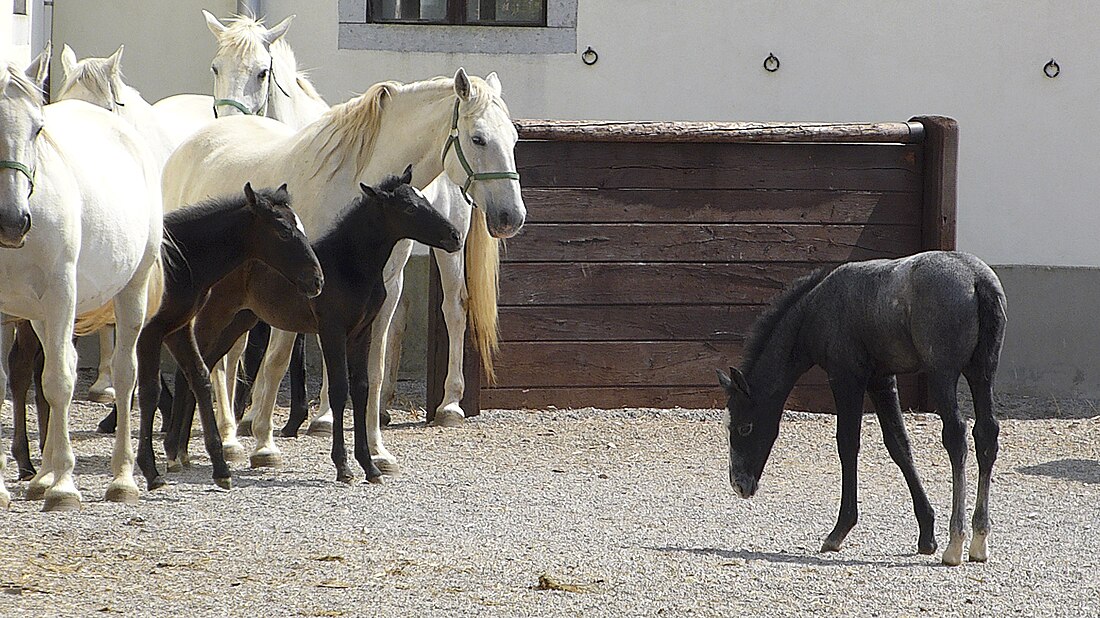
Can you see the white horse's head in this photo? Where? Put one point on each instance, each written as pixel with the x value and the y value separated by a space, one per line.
pixel 95 80
pixel 242 66
pixel 21 122
pixel 486 141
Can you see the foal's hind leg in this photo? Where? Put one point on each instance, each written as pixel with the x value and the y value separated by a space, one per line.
pixel 986 430
pixel 942 387
pixel 884 394
pixel 848 395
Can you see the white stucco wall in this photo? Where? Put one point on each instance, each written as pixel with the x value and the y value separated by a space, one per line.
pixel 1028 185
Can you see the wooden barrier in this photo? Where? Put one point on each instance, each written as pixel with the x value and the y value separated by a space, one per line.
pixel 650 248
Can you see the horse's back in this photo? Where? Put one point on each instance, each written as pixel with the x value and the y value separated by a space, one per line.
pixel 182 115
pixel 221 157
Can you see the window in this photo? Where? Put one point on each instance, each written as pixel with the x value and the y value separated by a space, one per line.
pixel 459 26
pixel 19 7
pixel 459 12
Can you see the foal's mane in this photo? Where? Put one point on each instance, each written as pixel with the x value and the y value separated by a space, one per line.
pixel 388 184
pixel 765 325
pixel 349 130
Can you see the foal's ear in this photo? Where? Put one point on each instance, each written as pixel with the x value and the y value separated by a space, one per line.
pixel 39 68
pixel 735 381
pixel 249 195
pixel 407 176
pixel 368 190
pixel 212 22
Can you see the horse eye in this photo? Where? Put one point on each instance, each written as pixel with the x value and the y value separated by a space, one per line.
pixel 478 140
pixel 263 75
pixel 214 69
pixel 744 429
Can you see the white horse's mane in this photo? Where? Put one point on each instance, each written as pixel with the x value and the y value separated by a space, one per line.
pixel 244 35
pixel 98 76
pixel 350 129
pixel 15 76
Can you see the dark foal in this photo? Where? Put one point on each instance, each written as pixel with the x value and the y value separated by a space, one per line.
pixel 352 255
pixel 942 313
pixel 215 239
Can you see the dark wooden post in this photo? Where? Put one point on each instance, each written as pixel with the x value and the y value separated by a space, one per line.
pixel 940 201
pixel 438 354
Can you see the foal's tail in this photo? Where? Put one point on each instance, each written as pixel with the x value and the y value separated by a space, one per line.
pixel 90 322
pixel 483 285
pixel 992 317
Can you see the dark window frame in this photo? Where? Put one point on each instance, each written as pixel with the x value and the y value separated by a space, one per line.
pixel 19 7
pixel 456 16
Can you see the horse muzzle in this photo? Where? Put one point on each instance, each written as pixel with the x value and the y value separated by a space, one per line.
pixel 744 486
pixel 13 230
pixel 311 287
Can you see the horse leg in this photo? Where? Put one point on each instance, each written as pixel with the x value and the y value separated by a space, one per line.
pixel 986 431
pixel 185 349
pixel 376 360
pixel 453 281
pixel 942 388
pixel 321 423
pixel 299 407
pixel 264 393
pixel 101 390
pixel 7 336
pixel 884 394
pixel 150 382
pixel 848 395
pixel 54 481
pixel 360 388
pixel 165 403
pixel 23 361
pixel 130 307
pixel 178 436
pixel 334 347
pixel 223 374
pixel 253 356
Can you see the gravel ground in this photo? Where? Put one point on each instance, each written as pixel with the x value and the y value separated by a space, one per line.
pixel 621 512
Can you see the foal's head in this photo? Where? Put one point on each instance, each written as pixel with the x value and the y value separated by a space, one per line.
pixel 277 239
pixel 406 213
pixel 751 426
pixel 21 124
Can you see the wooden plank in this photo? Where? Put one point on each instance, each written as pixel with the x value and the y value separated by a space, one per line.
pixel 712 242
pixel 626 283
pixel 720 166
pixel 806 397
pixel 700 132
pixel 627 322
pixel 940 181
pixel 719 206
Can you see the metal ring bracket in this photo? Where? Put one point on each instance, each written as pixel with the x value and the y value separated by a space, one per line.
pixel 589 56
pixel 1051 69
pixel 771 63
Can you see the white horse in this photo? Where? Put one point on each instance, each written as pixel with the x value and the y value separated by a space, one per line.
pixel 245 49
pixel 80 216
pixel 164 126
pixel 459 126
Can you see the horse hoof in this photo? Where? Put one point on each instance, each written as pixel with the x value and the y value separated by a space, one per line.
pixel 26 474
pixel 157 483
pixel 244 428
pixel 36 492
pixel 122 493
pixel 233 451
pixel 448 418
pixel 224 483
pixel 320 428
pixel 384 418
pixel 105 427
pixel 60 502
pixel 387 467
pixel 979 549
pixel 952 556
pixel 377 480
pixel 106 395
pixel 266 460
pixel 5 499
pixel 927 549
pixel 830 545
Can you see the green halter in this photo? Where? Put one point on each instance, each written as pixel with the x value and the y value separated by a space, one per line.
pixel 19 167
pixel 263 108
pixel 452 140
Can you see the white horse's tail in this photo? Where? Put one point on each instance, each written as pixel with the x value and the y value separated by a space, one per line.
pixel 90 322
pixel 482 286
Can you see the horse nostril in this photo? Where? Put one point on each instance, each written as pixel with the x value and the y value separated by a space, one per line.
pixel 26 223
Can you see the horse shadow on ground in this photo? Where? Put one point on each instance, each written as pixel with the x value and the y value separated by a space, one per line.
pixel 1081 470
pixel 789 558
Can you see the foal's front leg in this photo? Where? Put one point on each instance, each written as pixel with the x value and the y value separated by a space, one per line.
pixel 848 395
pixel 334 349
pixel 360 387
pixel 884 394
